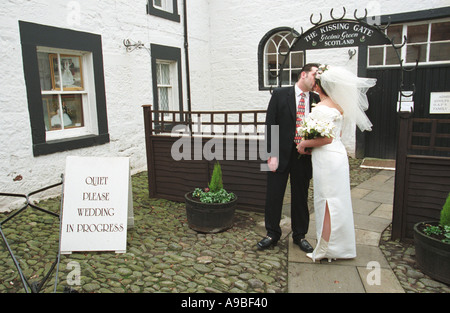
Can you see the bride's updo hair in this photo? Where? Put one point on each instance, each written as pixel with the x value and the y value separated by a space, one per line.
pixel 320 85
pixel 320 70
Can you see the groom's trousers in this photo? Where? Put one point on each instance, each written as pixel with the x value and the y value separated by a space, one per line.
pixel 300 172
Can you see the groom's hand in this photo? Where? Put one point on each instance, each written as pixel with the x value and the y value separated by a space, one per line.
pixel 272 162
pixel 302 149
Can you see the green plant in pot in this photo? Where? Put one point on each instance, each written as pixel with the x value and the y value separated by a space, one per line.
pixel 432 244
pixel 211 209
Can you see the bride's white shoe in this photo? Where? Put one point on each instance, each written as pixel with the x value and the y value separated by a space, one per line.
pixel 320 252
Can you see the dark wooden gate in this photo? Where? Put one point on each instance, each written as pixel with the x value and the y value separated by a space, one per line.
pixel 171 179
pixel 381 142
pixel 422 178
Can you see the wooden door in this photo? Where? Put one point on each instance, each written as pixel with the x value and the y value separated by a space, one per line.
pixel 381 142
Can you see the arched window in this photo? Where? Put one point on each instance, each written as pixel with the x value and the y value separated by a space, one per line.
pixel 273 55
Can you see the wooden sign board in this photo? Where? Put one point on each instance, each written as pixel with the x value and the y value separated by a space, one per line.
pixel 340 33
pixel 97 204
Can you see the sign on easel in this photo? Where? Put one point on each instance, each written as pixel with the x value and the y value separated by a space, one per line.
pixel 97 204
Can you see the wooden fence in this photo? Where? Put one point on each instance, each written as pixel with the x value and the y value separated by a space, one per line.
pixel 182 148
pixel 422 179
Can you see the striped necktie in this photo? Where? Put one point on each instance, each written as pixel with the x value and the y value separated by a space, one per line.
pixel 300 117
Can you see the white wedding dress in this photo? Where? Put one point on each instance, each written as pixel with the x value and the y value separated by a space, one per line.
pixel 331 179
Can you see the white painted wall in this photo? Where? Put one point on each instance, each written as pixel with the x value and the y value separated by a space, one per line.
pixel 128 83
pixel 223 43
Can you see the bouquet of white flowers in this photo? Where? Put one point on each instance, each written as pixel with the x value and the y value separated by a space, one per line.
pixel 312 128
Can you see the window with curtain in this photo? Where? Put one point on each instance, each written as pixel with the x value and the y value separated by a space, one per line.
pixel 165 88
pixel 166 79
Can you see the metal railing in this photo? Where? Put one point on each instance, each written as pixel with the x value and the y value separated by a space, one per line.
pixel 33 287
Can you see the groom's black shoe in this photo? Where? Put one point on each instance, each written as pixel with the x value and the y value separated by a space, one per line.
pixel 266 242
pixel 304 245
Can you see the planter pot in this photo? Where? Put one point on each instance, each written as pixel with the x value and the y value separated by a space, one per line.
pixel 432 255
pixel 209 217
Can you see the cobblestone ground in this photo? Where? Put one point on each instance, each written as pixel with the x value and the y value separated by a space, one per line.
pixel 401 258
pixel 163 253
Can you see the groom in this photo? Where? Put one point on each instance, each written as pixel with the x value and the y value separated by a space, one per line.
pixel 282 111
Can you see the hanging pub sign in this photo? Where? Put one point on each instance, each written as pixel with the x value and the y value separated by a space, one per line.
pixel 340 33
pixel 405 101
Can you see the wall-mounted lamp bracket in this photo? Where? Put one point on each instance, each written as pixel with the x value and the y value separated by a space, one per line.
pixel 131 45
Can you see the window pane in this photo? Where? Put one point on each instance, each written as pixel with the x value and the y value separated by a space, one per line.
pixel 440 31
pixel 72 111
pixel 271 48
pixel 166 5
pixel 45 74
pixel 272 61
pixel 272 78
pixel 391 56
pixel 158 74
pixel 163 94
pixel 294 76
pixel 297 59
pixel 440 51
pixel 163 74
pixel 396 33
pixel 284 47
pixel 71 72
pixel 285 77
pixel 51 112
pixel 376 56
pixel 276 39
pixel 283 61
pixel 416 52
pixel 54 70
pixel 418 33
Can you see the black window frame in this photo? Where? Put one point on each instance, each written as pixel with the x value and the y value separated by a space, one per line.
pixel 166 53
pixel 174 16
pixel 170 54
pixel 33 35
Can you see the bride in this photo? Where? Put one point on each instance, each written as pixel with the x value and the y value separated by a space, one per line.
pixel 343 102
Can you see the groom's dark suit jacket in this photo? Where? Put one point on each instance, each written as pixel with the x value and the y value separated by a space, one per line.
pixel 282 111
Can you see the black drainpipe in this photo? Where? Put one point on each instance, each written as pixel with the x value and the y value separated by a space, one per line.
pixel 186 49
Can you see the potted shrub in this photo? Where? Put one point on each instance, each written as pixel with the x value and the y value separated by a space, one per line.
pixel 432 244
pixel 211 210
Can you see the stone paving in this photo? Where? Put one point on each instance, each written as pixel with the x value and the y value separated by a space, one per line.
pixel 165 255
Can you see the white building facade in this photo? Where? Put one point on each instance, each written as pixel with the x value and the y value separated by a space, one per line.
pixel 76 73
